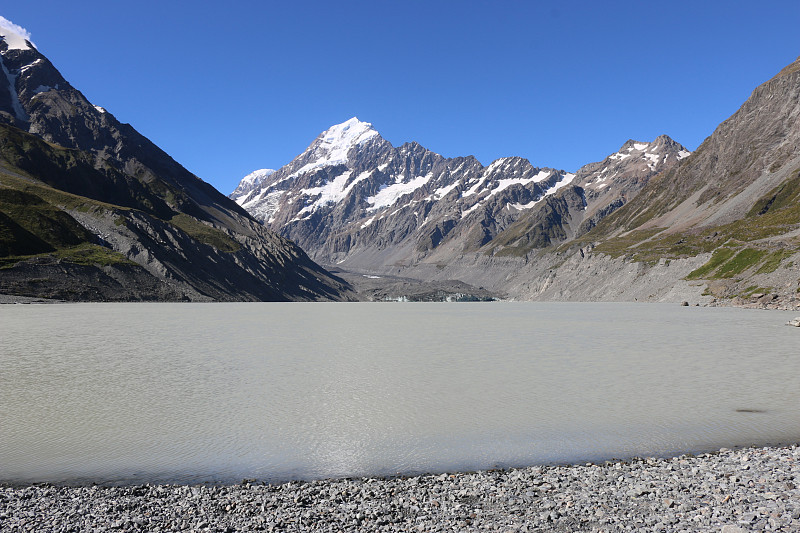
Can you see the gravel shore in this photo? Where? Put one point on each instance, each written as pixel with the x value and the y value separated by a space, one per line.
pixel 753 489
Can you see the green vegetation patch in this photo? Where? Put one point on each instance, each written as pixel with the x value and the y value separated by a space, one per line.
pixel 754 289
pixel 658 207
pixel 785 195
pixel 30 225
pixel 727 262
pixel 82 254
pixel 743 260
pixel 169 194
pixel 720 256
pixel 16 240
pixel 92 254
pixel 33 224
pixel 48 194
pixel 775 214
pixel 649 247
pixel 661 194
pixel 528 234
pixel 626 244
pixel 773 261
pixel 204 233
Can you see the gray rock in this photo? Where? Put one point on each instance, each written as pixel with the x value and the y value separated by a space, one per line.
pixel 654 494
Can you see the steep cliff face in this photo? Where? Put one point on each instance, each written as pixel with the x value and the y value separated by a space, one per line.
pixel 150 229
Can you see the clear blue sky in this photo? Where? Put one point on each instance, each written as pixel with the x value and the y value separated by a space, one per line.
pixel 230 87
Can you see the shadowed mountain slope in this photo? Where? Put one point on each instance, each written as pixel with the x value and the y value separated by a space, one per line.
pixel 92 210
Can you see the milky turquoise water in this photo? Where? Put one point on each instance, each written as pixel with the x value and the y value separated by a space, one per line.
pixel 129 393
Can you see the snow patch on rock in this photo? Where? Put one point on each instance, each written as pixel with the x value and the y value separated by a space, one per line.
pixel 15 36
pixel 389 194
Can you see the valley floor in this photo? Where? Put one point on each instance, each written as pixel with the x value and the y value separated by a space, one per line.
pixel 751 489
pixel 384 288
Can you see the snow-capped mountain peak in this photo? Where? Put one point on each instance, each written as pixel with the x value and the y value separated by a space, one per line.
pixel 16 37
pixel 635 161
pixel 333 146
pixel 346 135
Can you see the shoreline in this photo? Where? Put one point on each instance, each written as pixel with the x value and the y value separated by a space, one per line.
pixel 10 299
pixel 728 490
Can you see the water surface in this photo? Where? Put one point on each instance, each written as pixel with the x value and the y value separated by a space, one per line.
pixel 127 393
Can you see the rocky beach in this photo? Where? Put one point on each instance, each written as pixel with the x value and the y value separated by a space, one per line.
pixel 729 491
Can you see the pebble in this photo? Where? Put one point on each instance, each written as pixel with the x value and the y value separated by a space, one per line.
pixel 710 492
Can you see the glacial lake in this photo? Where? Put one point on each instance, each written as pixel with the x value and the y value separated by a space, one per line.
pixel 192 393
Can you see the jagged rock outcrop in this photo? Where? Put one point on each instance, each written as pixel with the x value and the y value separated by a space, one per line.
pixel 150 228
pixel 597 190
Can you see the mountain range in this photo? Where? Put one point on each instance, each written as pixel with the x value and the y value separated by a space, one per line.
pixel 92 210
pixel 354 200
pixel 650 222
